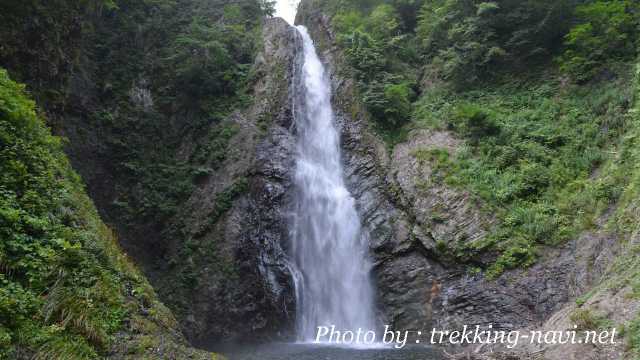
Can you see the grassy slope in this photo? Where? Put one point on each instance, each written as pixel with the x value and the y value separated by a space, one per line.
pixel 624 170
pixel 621 170
pixel 66 289
pixel 531 151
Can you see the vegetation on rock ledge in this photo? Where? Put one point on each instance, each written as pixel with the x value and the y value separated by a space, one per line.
pixel 539 90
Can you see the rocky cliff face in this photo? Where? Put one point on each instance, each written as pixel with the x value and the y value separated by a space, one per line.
pixel 236 221
pixel 219 263
pixel 410 217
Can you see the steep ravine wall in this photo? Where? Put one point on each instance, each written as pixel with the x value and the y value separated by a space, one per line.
pixel 106 77
pixel 418 286
pixel 243 289
pixel 404 272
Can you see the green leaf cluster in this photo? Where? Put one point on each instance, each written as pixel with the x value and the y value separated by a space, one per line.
pixel 61 282
pixel 607 31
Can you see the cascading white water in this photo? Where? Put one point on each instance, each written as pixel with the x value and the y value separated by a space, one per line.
pixel 329 248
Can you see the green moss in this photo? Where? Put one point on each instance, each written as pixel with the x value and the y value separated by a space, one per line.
pixel 51 243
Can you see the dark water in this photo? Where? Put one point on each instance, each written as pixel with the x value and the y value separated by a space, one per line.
pixel 315 352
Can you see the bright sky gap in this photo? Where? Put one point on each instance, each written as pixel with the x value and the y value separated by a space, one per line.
pixel 286 9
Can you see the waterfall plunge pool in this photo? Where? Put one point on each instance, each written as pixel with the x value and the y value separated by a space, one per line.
pixel 297 351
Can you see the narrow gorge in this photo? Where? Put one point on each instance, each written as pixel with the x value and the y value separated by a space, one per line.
pixel 197 178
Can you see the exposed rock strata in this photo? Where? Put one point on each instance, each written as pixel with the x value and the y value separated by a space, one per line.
pixel 255 297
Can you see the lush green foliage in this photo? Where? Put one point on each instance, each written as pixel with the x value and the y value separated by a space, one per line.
pixel 483 70
pixel 41 40
pixel 530 153
pixel 65 287
pixel 377 51
pixel 193 59
pixel 607 30
pixel 169 67
pixel 467 40
pixel 208 61
pixel 463 42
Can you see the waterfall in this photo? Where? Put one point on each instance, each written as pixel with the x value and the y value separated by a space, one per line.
pixel 328 246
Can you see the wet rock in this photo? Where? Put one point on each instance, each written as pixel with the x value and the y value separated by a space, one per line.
pixel 244 289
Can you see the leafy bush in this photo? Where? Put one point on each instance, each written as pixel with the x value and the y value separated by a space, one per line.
pixel 37 216
pixel 389 104
pixel 398 98
pixel 383 22
pixel 473 122
pixel 607 30
pixel 348 21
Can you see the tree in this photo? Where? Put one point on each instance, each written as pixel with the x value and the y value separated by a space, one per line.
pixel 469 39
pixel 408 12
pixel 607 31
pixel 383 22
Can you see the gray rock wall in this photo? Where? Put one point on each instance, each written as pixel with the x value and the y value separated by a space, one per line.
pixel 244 290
